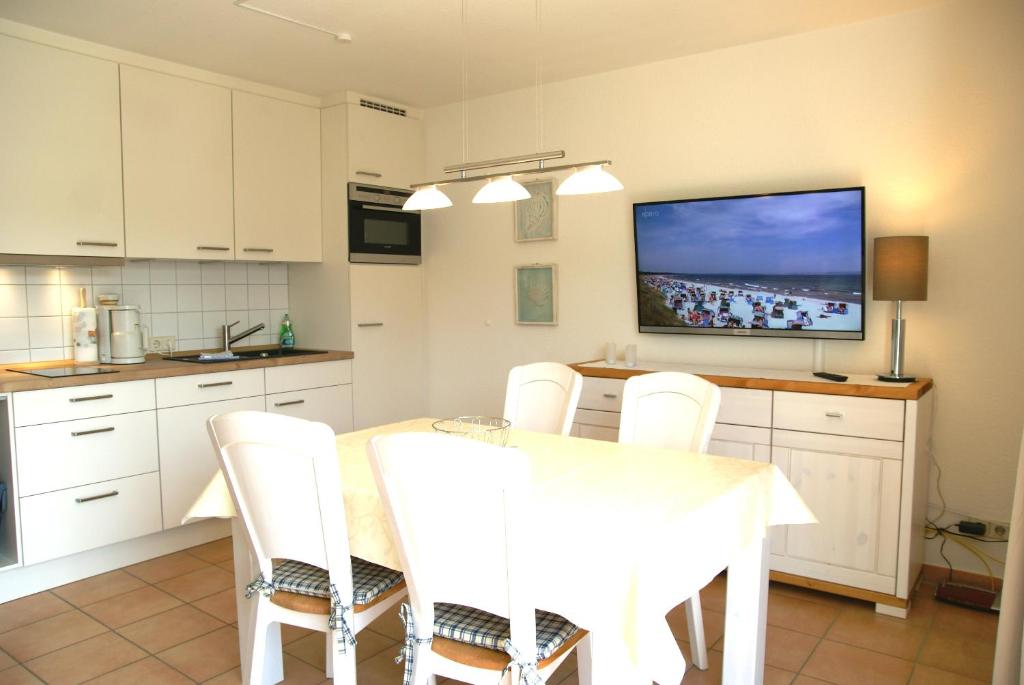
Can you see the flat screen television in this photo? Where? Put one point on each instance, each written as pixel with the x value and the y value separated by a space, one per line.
pixel 781 264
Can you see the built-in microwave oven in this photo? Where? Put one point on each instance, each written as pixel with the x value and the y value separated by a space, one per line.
pixel 379 231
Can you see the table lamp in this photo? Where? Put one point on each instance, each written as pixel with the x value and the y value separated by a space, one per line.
pixel 901 273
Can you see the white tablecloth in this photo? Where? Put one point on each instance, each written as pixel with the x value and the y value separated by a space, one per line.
pixel 624 532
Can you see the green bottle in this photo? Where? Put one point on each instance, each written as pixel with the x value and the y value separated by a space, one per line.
pixel 287 334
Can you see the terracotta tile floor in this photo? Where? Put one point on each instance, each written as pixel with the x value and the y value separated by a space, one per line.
pixel 171 620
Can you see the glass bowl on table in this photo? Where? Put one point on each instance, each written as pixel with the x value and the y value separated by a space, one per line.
pixel 490 429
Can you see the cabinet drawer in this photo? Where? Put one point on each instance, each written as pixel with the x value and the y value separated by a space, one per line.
pixel 603 394
pixel 81 402
pixel 597 432
pixel 331 405
pixel 839 415
pixel 742 407
pixel 608 419
pixel 55 456
pixel 303 376
pixel 208 387
pixel 66 522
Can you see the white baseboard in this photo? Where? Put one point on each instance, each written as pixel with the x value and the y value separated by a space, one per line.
pixel 27 580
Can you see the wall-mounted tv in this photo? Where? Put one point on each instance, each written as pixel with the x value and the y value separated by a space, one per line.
pixel 782 264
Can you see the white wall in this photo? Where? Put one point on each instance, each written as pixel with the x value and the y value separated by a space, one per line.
pixel 923 108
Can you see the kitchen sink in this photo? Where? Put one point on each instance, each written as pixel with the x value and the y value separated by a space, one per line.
pixel 246 354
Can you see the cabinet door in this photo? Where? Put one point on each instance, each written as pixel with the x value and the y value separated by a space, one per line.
pixel 384 149
pixel 331 405
pixel 177 167
pixel 741 442
pixel 187 459
pixel 60 165
pixel 387 338
pixel 854 494
pixel 277 180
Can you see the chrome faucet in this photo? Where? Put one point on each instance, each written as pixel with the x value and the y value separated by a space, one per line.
pixel 229 339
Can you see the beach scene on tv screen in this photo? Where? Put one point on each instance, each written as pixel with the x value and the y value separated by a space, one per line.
pixel 784 262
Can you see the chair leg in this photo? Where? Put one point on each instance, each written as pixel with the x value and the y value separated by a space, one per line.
pixel 258 643
pixel 695 628
pixel 584 661
pixel 340 667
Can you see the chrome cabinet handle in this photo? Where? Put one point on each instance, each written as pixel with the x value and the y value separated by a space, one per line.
pixel 373 174
pixel 95 243
pixel 215 248
pixel 93 498
pixel 289 403
pixel 257 249
pixel 76 434
pixel 370 325
pixel 834 414
pixel 91 398
pixel 610 395
pixel 220 384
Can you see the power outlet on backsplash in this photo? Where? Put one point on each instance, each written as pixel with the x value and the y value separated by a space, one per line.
pixel 162 344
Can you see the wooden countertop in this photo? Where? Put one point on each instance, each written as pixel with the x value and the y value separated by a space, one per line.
pixel 766 379
pixel 155 366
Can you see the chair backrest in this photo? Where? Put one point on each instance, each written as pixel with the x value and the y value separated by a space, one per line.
pixel 669 409
pixel 457 508
pixel 284 478
pixel 542 397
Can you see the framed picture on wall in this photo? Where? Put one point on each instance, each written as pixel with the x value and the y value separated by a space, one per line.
pixel 536 294
pixel 537 216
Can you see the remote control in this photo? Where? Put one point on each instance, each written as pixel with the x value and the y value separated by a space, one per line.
pixel 837 377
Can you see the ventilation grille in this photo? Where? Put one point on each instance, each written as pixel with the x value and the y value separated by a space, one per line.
pixel 381 107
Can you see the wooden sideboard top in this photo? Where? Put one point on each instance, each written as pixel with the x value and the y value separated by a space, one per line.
pixel 766 379
pixel 154 367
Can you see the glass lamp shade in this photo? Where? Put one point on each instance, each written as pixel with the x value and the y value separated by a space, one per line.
pixel 591 179
pixel 502 189
pixel 427 198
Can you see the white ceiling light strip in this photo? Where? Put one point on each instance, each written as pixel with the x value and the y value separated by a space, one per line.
pixel 342 37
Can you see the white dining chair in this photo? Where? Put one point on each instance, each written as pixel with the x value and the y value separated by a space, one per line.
pixel 676 411
pixel 471 614
pixel 283 476
pixel 542 397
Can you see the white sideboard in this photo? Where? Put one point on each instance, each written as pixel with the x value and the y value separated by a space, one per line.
pixel 857 452
pixel 101 475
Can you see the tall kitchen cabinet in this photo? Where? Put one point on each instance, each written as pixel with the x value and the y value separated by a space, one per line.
pixel 177 167
pixel 385 145
pixel 388 323
pixel 276 180
pixel 60 152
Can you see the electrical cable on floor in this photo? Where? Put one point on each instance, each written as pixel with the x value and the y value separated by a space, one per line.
pixel 970 548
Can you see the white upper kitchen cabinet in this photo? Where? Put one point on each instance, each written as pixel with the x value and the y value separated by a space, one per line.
pixel 177 167
pixel 384 148
pixel 277 180
pixel 60 153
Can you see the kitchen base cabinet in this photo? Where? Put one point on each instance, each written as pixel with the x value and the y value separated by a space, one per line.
pixel 858 458
pixel 187 459
pixel 331 405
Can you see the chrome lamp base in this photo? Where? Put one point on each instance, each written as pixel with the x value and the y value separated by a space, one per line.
pixel 899 330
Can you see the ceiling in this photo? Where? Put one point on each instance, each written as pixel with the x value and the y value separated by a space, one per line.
pixel 410 50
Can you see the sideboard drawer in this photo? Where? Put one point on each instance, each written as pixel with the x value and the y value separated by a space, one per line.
pixel 81 401
pixel 66 522
pixel 602 394
pixel 745 407
pixel 864 417
pixel 55 456
pixel 208 387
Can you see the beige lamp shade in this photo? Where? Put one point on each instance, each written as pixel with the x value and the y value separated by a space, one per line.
pixel 901 268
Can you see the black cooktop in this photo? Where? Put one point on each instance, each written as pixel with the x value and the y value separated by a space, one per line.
pixel 65 371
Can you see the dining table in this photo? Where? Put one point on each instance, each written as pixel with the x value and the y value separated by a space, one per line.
pixel 622 535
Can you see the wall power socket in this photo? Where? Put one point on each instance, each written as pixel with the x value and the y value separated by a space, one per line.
pixel 162 344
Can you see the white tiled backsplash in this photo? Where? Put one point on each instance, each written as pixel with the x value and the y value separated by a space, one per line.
pixel 187 300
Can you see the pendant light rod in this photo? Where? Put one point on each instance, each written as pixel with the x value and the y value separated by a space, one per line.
pixel 486 177
pixel 504 161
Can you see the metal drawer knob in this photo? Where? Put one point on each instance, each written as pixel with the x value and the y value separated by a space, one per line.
pixel 94 431
pixel 289 403
pixel 90 398
pixel 221 384
pixel 834 414
pixel 610 395
pixel 93 498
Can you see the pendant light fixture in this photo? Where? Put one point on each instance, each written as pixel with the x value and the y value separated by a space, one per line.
pixel 501 186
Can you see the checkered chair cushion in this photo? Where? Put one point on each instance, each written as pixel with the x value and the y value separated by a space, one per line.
pixel 476 627
pixel 369 581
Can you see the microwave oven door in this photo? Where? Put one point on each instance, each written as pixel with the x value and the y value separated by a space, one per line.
pixel 379 234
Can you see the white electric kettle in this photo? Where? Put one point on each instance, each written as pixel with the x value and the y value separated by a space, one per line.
pixel 122 337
